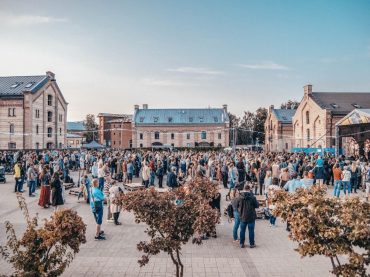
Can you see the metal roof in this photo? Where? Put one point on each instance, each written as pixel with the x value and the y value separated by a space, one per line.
pixel 284 115
pixel 357 116
pixel 180 116
pixel 342 102
pixel 15 85
pixel 76 126
pixel 73 136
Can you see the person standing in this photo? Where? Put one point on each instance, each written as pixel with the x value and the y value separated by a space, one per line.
pixel 346 180
pixel 115 208
pixel 145 174
pixel 56 191
pixel 31 178
pixel 101 175
pixel 18 177
pixel 97 205
pixel 44 200
pixel 160 173
pixel 247 205
pixel 337 173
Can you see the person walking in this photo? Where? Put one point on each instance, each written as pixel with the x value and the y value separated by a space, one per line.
pixel 18 177
pixel 247 205
pixel 338 174
pixel 56 191
pixel 97 205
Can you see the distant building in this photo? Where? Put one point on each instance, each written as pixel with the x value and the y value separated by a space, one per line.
pixel 76 127
pixel 114 138
pixel 316 116
pixel 33 112
pixel 207 127
pixel 75 140
pixel 279 130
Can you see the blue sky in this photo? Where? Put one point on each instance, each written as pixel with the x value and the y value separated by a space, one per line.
pixel 110 55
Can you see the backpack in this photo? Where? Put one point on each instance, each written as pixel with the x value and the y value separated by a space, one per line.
pixel 230 211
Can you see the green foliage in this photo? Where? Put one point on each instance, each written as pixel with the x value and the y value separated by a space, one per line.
pixel 173 218
pixel 328 226
pixel 47 250
pixel 91 128
pixel 290 105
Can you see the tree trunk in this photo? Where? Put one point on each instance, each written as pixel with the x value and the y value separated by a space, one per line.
pixel 176 264
pixel 333 264
pixel 180 263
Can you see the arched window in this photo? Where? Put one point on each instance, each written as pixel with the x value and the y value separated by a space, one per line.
pixel 50 116
pixel 307 117
pixel 37 129
pixel 50 100
pixel 50 132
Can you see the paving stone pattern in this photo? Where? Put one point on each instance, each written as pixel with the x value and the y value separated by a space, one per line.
pixel 117 256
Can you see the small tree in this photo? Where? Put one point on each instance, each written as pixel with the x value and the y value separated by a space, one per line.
pixel 47 250
pixel 173 218
pixel 328 226
pixel 91 128
pixel 290 105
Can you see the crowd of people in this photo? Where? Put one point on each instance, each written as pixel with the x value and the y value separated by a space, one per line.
pixel 243 174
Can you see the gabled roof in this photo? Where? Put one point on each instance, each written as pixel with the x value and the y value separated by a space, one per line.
pixel 358 116
pixel 13 86
pixel 342 102
pixel 284 115
pixel 76 126
pixel 180 116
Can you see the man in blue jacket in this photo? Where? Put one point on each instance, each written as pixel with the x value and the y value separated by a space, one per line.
pixel 97 207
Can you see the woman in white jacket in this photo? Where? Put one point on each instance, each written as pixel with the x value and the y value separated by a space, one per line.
pixel 114 194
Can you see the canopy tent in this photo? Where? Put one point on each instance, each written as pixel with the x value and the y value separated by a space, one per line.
pixel 93 145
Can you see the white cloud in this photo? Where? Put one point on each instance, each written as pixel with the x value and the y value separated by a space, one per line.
pixel 265 66
pixel 196 70
pixel 22 20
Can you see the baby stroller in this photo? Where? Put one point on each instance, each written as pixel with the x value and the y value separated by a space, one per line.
pixel 2 174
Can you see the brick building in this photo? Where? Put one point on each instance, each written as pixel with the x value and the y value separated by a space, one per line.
pixel 316 116
pixel 180 127
pixel 279 130
pixel 33 113
pixel 108 136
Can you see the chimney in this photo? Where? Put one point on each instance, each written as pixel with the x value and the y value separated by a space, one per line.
pixel 307 89
pixel 51 75
pixel 145 106
pixel 271 108
pixel 224 106
pixel 136 107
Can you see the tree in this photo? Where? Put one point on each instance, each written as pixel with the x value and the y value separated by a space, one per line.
pixel 328 226
pixel 259 125
pixel 44 251
pixel 173 218
pixel 290 105
pixel 91 128
pixel 246 128
pixel 234 123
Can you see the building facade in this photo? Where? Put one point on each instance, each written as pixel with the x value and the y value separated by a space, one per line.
pixel 110 137
pixel 75 140
pixel 33 113
pixel 279 130
pixel 180 127
pixel 316 116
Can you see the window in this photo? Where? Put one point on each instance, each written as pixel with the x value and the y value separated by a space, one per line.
pixel 286 146
pixel 215 119
pixel 60 131
pixel 50 100
pixel 156 119
pixel 141 145
pixel 201 119
pixel 50 132
pixel 203 135
pixel 357 106
pixel 141 119
pixel 12 145
pixel 50 116
pixel 188 136
pixel 170 119
pixel 219 135
pixel 308 134
pixel 37 129
pixel 60 118
pixel 15 85
pixel 172 144
pixel 49 145
pixel 37 145
pixel 156 135
pixel 172 136
pixel 114 142
pixel 191 119
pixel 141 136
pixel 11 112
pixel 37 113
pixel 334 106
pixel 11 128
pixel 30 84
pixel 307 117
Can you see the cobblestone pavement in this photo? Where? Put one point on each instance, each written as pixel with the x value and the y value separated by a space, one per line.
pixel 117 256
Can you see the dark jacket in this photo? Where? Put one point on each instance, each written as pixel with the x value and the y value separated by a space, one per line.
pixel 247 205
pixel 56 193
pixel 172 180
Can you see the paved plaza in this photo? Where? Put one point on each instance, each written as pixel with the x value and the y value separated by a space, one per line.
pixel 117 256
